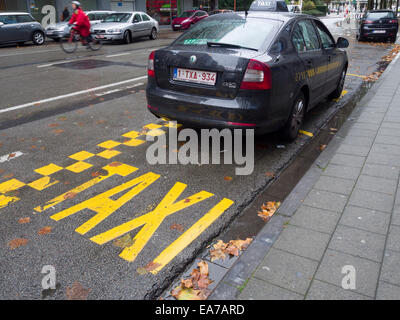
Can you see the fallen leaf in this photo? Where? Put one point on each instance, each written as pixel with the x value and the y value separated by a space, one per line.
pixel 8 176
pixel 53 125
pixel 11 155
pixel 77 292
pixel 152 266
pixel 115 164
pixel 24 220
pixel 17 242
pixel 270 174
pixel 57 131
pixel 227 178
pixel 45 230
pixel 268 209
pixel 322 147
pixel 70 195
pixel 177 227
pixel 123 242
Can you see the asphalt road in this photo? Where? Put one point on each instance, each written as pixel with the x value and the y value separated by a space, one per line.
pixel 73 158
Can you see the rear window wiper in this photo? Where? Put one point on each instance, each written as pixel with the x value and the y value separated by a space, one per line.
pixel 228 45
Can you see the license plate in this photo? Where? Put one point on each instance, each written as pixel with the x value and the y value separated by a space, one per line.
pixel 196 76
pixel 177 25
pixel 100 36
pixel 379 31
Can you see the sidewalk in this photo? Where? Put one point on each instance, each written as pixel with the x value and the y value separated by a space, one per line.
pixel 344 211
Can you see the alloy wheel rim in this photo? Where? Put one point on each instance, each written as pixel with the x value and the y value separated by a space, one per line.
pixel 38 37
pixel 297 117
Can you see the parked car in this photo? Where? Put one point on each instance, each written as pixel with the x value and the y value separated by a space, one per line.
pixel 60 30
pixel 255 70
pixel 126 26
pixel 187 19
pixel 20 27
pixel 378 24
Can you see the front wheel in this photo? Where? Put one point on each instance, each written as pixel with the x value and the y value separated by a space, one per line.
pixel 153 35
pixel 338 91
pixel 127 37
pixel 38 38
pixel 293 124
pixel 70 44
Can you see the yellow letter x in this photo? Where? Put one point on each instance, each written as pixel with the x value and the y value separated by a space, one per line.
pixel 150 221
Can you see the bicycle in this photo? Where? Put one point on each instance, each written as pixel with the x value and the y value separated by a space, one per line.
pixel 70 44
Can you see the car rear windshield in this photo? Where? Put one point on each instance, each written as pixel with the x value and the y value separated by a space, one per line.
pixel 118 17
pixel 231 29
pixel 380 15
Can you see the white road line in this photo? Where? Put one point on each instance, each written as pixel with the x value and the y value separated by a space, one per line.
pixel 107 92
pixel 30 104
pixel 24 53
pixel 135 85
pixel 10 156
pixel 118 54
pixel 52 64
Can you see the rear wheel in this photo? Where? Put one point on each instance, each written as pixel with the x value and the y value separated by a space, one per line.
pixel 38 38
pixel 293 124
pixel 338 91
pixel 153 35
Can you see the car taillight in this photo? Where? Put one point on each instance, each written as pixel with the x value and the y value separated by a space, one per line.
pixel 393 21
pixel 257 76
pixel 150 65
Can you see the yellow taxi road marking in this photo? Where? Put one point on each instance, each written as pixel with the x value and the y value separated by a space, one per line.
pixel 81 156
pixel 8 186
pixel 49 169
pixel 150 221
pixel 121 170
pixel 306 133
pixel 341 96
pixel 77 93
pixel 109 144
pixel 10 156
pixel 108 154
pixel 355 75
pixel 42 183
pixel 191 234
pixel 103 205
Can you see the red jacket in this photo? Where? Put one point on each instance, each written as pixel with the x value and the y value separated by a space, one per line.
pixel 82 22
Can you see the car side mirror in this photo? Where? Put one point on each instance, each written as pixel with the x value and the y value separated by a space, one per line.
pixel 342 43
pixel 1 24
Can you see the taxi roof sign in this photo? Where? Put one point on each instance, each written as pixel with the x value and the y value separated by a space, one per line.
pixel 269 5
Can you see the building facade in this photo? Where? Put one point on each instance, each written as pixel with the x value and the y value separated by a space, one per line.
pixel 162 10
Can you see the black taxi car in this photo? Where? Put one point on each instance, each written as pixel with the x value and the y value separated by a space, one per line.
pixel 378 24
pixel 255 69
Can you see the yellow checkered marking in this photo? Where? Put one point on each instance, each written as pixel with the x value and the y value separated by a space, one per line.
pixel 79 166
pixel 81 156
pixel 132 134
pixel 108 154
pixel 152 126
pixel 42 183
pixel 49 169
pixel 109 144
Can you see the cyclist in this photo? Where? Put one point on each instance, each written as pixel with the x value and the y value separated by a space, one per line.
pixel 81 22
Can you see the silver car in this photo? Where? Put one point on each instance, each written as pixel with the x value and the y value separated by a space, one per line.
pixel 126 26
pixel 61 30
pixel 20 27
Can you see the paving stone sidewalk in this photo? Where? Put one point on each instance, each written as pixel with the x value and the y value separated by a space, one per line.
pixel 344 211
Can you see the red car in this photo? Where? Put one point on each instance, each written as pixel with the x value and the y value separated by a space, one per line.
pixel 187 18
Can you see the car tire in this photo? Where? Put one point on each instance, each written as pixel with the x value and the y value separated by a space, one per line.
pixel 153 35
pixel 293 124
pixel 127 37
pixel 38 38
pixel 338 91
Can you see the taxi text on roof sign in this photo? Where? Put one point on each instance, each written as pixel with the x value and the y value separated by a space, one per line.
pixel 269 5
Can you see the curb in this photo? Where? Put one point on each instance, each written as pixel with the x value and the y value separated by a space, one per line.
pixel 238 275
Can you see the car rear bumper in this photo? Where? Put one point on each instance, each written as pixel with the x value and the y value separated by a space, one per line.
pixel 244 111
pixel 56 34
pixel 371 32
pixel 109 37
